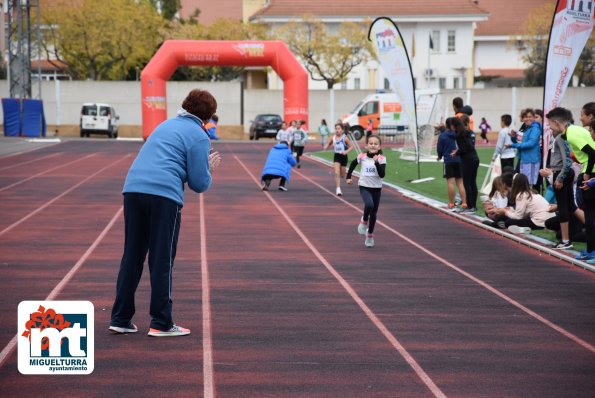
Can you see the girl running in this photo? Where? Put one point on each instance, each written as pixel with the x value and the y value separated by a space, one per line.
pixel 372 171
pixel 342 146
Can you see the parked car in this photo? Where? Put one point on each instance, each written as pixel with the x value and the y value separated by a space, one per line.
pixel 99 119
pixel 265 125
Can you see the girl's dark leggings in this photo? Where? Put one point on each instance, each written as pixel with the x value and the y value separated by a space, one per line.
pixel 470 166
pixel 371 198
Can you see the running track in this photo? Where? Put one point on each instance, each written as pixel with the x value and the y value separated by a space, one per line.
pixel 281 295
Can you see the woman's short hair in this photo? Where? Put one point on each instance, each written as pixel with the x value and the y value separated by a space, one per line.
pixel 201 104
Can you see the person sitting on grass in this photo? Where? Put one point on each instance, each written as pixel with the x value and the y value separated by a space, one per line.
pixel 530 211
pixel 497 199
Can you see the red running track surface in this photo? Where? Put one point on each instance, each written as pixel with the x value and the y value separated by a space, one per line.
pixel 282 297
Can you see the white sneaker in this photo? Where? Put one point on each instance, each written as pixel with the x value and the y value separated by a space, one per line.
pixel 174 331
pixel 338 192
pixel 369 242
pixel 362 228
pixel 515 229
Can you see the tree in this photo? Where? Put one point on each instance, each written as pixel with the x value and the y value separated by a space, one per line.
pixel 101 39
pixel 533 48
pixel 327 56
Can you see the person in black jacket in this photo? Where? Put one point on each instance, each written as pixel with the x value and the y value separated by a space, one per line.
pixel 470 160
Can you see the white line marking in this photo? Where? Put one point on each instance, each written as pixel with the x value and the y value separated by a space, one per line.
pixel 29 161
pixel 369 313
pixel 5 353
pixel 34 212
pixel 207 343
pixel 44 172
pixel 487 286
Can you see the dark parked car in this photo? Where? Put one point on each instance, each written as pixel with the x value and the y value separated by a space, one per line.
pixel 265 125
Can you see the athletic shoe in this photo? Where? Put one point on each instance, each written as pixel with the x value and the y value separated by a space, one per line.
pixel 585 255
pixel 452 207
pixel 174 331
pixel 265 185
pixel 562 246
pixel 369 242
pixel 591 261
pixel 469 210
pixel 131 328
pixel 500 224
pixel 489 223
pixel 515 229
pixel 338 192
pixel 458 200
pixel 299 165
pixel 362 228
pixel 282 188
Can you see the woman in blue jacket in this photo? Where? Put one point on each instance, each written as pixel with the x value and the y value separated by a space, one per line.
pixel 278 165
pixel 176 153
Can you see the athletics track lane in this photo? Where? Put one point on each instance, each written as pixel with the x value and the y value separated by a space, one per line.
pixel 283 327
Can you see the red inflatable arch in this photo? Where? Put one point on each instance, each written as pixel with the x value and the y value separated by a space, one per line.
pixel 174 53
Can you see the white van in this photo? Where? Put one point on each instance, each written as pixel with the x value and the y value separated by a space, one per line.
pixel 384 109
pixel 99 119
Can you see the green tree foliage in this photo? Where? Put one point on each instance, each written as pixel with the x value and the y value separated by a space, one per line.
pixel 328 56
pixel 169 8
pixel 221 29
pixel 533 48
pixel 101 39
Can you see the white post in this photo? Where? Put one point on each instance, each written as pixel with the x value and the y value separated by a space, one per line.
pixel 57 89
pixel 513 102
pixel 331 120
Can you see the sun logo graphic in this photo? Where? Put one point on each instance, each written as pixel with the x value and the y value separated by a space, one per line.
pixel 56 337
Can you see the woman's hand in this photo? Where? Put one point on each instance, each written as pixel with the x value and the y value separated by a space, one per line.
pixel 214 160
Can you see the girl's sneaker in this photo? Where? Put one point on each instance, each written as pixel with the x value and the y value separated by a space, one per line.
pixel 174 331
pixel 131 328
pixel 585 255
pixel 338 192
pixel 369 242
pixel 515 229
pixel 362 228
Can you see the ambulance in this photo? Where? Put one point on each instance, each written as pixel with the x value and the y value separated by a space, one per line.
pixel 386 112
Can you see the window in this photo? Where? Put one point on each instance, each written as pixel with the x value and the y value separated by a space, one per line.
pixel 442 83
pixel 370 108
pixel 451 41
pixel 455 82
pixel 386 84
pixel 435 41
pixel 356 83
pixel 344 85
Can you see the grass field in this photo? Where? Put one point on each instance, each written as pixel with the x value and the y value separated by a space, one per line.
pixel 402 172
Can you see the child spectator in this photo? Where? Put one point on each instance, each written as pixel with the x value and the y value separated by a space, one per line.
pixel 529 148
pixel 563 185
pixel 278 165
pixel 372 170
pixel 342 146
pixel 583 146
pixel 369 128
pixel 452 166
pixel 503 146
pixel 484 127
pixel 530 210
pixel 497 199
pixel 324 131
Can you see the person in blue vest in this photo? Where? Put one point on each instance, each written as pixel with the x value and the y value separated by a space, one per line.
pixel 177 153
pixel 278 165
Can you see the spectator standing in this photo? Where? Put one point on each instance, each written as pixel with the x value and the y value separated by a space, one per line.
pixel 583 146
pixel 324 131
pixel 504 145
pixel 446 145
pixel 529 149
pixel 176 153
pixel 469 160
pixel 212 127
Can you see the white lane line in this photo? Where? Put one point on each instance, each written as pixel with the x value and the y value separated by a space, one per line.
pixel 480 282
pixel 34 212
pixel 29 161
pixel 7 350
pixel 207 342
pixel 369 313
pixel 45 172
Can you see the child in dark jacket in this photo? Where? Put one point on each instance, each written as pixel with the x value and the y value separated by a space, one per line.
pixel 278 165
pixel 469 158
pixel 452 167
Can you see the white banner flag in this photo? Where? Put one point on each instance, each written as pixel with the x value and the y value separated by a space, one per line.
pixel 571 28
pixel 394 60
